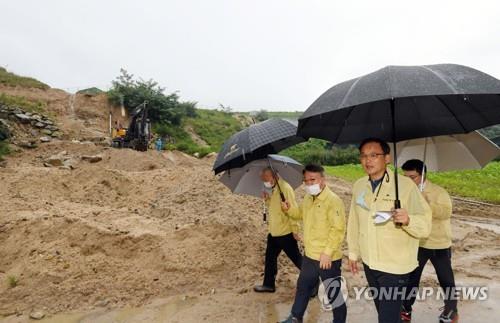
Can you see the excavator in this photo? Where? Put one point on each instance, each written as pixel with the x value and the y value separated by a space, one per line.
pixel 138 133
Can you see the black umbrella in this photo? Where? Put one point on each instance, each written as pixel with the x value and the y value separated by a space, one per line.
pixel 256 142
pixel 404 102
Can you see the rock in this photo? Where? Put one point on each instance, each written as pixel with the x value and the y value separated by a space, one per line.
pixel 92 159
pixel 37 315
pixel 56 134
pixel 4 130
pixel 39 124
pixel 102 303
pixel 3 163
pixel 55 160
pixel 23 117
pixel 27 144
pixel 47 132
pixel 34 133
pixel 45 139
pixel 197 155
pixel 52 128
pixel 210 155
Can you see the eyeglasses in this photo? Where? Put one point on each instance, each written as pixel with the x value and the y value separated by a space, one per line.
pixel 371 156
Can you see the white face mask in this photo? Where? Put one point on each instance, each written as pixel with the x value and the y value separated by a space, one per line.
pixel 313 189
pixel 268 185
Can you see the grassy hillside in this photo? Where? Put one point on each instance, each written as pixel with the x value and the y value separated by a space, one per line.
pixel 210 126
pixel 478 184
pixel 11 79
pixel 284 114
pixel 36 106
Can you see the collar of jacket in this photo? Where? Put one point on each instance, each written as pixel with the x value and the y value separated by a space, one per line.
pixel 386 179
pixel 321 196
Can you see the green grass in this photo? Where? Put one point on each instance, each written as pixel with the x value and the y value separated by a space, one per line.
pixel 91 91
pixel 320 152
pixel 35 106
pixel 12 281
pixel 481 184
pixel 4 149
pixel 11 79
pixel 285 114
pixel 182 140
pixel 214 127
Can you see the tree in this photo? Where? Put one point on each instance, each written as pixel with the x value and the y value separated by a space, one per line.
pixel 164 108
pixel 262 115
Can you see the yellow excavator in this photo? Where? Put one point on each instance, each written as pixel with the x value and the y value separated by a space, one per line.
pixel 138 133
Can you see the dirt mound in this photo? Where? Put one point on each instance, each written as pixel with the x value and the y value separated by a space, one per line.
pixel 124 230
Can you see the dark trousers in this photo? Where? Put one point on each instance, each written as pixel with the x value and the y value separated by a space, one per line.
pixel 441 260
pixel 307 282
pixel 388 305
pixel 275 245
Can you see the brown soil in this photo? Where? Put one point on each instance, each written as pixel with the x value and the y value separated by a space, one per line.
pixel 154 237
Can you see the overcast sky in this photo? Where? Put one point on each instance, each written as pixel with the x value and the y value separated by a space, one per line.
pixel 277 55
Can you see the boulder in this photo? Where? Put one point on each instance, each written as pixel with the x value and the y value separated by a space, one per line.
pixel 24 118
pixel 55 160
pixel 4 130
pixel 45 139
pixel 92 159
pixel 30 144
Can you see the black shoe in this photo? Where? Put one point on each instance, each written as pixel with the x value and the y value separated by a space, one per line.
pixel 264 289
pixel 448 316
pixel 291 319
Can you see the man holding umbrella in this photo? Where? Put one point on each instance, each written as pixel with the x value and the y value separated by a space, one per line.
pixel 283 231
pixel 323 215
pixel 436 247
pixel 387 249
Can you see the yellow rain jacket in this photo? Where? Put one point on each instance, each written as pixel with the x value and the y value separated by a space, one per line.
pixel 323 222
pixel 386 247
pixel 440 203
pixel 279 223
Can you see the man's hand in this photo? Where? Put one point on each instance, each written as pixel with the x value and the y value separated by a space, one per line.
pixel 265 195
pixel 285 206
pixel 400 216
pixel 353 264
pixel 297 237
pixel 325 261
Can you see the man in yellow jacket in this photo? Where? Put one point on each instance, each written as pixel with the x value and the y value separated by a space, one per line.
pixel 385 239
pixel 436 247
pixel 323 216
pixel 283 231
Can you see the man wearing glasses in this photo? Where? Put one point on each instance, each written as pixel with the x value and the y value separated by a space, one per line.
pixel 385 239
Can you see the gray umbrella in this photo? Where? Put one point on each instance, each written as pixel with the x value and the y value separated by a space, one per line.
pixel 256 142
pixel 450 152
pixel 404 102
pixel 246 180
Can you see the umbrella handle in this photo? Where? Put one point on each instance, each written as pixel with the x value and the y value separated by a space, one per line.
pixel 282 196
pixel 397 205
